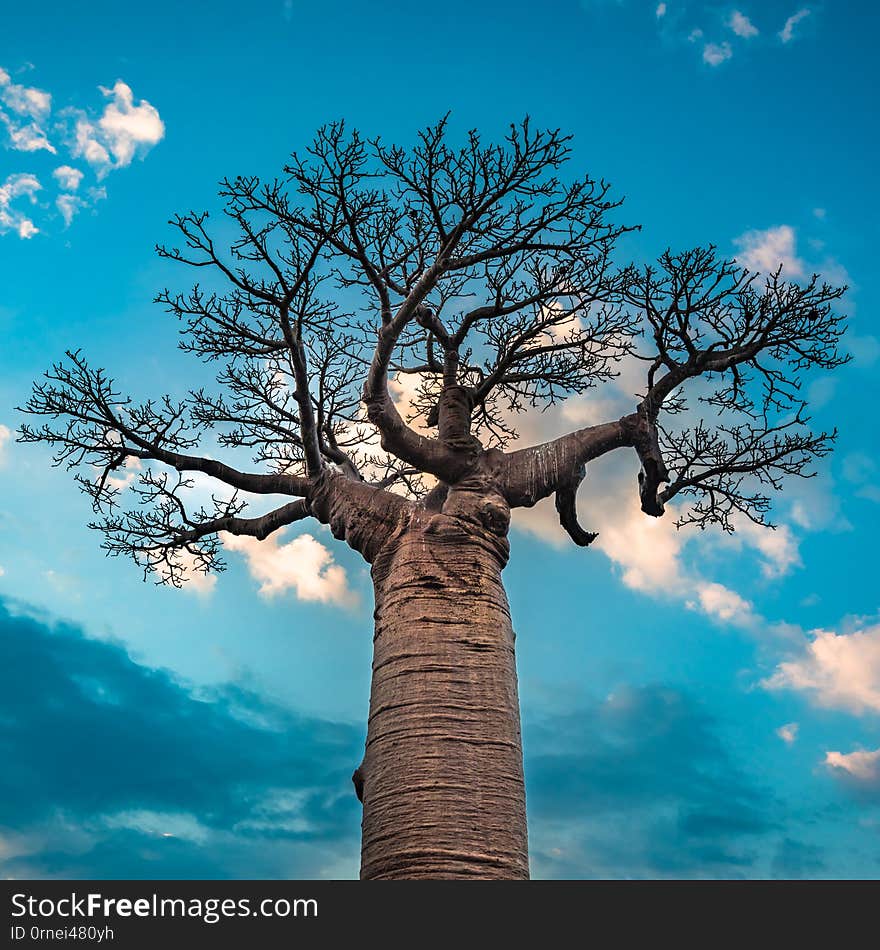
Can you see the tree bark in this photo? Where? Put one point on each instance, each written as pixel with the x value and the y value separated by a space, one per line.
pixel 442 777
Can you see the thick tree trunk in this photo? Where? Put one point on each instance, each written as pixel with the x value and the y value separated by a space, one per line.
pixel 442 777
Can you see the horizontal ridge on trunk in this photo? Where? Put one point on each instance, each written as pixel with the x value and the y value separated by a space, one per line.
pixel 443 787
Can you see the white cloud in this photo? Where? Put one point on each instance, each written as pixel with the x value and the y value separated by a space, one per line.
pixel 786 34
pixel 863 766
pixel 26 138
pixel 661 10
pixel 742 25
pixel 122 131
pixel 24 100
pixel 33 106
pixel 195 581
pixel 87 145
pixel 650 553
pixel 716 53
pixel 68 178
pixel 778 546
pixel 723 603
pixel 840 671
pixel 157 823
pixel 5 439
pixel 820 213
pixel 764 251
pixel 647 549
pixel 107 140
pixel 25 227
pixel 11 219
pixel 200 583
pixel 814 505
pixel 788 733
pixel 19 184
pixel 835 273
pixel 129 472
pixel 303 565
pixel 68 205
pixel 695 35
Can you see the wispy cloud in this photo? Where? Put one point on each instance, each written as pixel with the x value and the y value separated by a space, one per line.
pixel 858 771
pixel 788 733
pixel 765 250
pixel 860 470
pixel 106 140
pixel 742 25
pixel 716 53
pixel 777 547
pixel 5 439
pixel 195 581
pixel 27 137
pixel 24 100
pixel 702 23
pixel 16 187
pixel 861 766
pixel 787 33
pixel 68 178
pixel 68 205
pixel 24 110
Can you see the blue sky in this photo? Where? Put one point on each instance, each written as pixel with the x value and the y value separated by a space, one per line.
pixel 693 705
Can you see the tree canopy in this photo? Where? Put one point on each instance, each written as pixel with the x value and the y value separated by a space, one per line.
pixel 489 280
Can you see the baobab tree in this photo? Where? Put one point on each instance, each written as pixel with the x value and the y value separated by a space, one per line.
pixel 489 282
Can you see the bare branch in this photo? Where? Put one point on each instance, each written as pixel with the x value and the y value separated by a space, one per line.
pixel 165 540
pixel 475 280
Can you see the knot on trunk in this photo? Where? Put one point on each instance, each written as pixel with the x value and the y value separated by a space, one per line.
pixel 357 779
pixel 362 516
pixel 472 508
pixel 452 416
